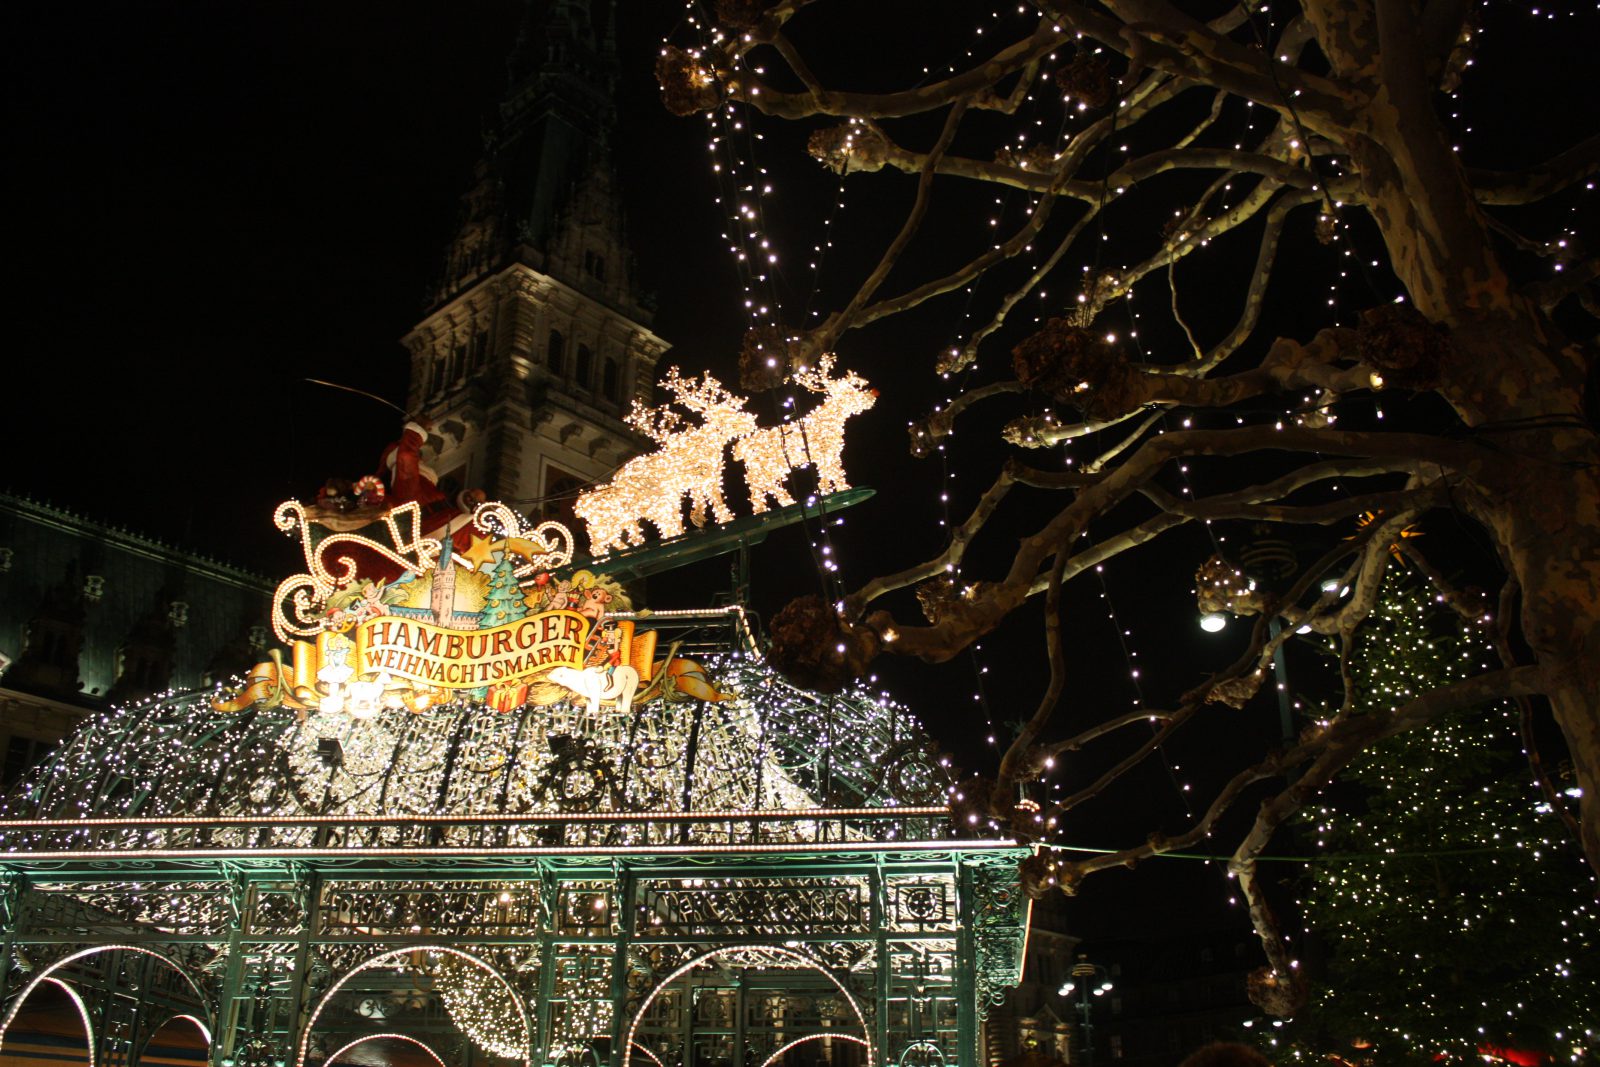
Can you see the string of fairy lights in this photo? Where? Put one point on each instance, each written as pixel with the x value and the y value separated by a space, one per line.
pixel 745 216
pixel 743 186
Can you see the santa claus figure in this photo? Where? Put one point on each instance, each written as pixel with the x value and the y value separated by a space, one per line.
pixel 411 480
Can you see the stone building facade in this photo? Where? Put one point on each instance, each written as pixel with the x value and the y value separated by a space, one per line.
pixel 92 615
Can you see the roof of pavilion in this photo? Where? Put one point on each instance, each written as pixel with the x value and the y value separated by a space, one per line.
pixel 773 764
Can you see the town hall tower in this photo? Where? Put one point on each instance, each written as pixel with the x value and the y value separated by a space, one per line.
pixel 535 342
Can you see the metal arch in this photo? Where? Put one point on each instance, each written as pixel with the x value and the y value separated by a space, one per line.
pixel 375 961
pixel 804 961
pixel 45 975
pixel 205 1031
pixel 642 1048
pixel 380 1037
pixel 936 1050
pixel 83 1013
pixel 770 1060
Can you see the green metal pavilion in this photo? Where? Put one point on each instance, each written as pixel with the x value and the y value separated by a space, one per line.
pixel 768 881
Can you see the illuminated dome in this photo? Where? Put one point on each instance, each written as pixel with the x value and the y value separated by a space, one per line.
pixel 533 777
pixel 489 811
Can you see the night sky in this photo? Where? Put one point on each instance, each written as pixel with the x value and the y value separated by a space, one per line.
pixel 211 203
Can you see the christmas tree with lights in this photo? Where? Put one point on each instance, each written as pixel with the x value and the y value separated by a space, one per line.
pixel 504 602
pixel 1458 914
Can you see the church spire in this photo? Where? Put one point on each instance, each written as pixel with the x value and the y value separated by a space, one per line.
pixel 544 192
pixel 566 44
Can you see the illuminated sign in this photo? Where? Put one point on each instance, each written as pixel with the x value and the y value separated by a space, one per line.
pixel 385 617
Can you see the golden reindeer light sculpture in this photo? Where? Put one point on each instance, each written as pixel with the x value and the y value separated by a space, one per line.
pixel 770 455
pixel 688 462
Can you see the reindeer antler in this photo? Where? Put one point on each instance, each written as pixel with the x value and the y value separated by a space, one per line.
pixel 815 381
pixel 703 396
pixel 655 423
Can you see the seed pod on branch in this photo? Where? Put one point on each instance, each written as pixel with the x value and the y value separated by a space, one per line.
pixel 815 649
pixel 767 355
pixel 957 358
pixel 1277 993
pixel 688 84
pixel 1100 287
pixel 1073 364
pixel 850 147
pixel 1236 692
pixel 1462 52
pixel 1038 875
pixel 1029 431
pixel 1221 586
pixel 926 433
pixel 1087 80
pixel 937 597
pixel 943 600
pixel 1405 347
pixel 740 14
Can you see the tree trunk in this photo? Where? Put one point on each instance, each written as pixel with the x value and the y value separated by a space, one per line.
pixel 1511 377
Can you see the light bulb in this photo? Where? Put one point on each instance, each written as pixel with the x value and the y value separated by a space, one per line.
pixel 1212 621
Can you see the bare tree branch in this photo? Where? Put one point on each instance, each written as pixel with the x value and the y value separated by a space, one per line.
pixel 928 432
pixel 1351 126
pixel 1043 754
pixel 1327 749
pixel 1580 161
pixel 837 324
pixel 1012 764
pixel 968 88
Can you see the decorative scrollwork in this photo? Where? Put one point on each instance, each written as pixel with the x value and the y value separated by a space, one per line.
pixel 549 543
pixel 307 594
pixel 579 779
pixel 915 773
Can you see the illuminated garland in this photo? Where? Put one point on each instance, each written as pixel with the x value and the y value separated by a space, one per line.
pixel 687 463
pixel 478 1006
pixel 770 455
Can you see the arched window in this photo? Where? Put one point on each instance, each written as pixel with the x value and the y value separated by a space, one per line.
pixel 608 380
pixel 556 359
pixel 480 348
pixel 585 365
